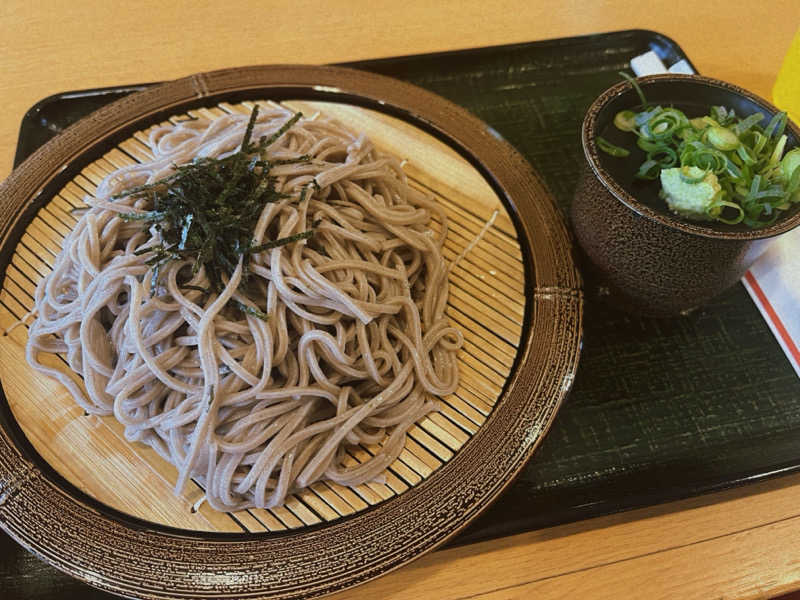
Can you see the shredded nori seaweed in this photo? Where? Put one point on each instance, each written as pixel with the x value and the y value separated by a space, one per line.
pixel 206 210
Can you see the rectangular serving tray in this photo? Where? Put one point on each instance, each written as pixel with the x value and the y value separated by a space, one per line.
pixel 661 409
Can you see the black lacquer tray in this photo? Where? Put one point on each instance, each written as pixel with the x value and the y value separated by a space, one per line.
pixel 660 409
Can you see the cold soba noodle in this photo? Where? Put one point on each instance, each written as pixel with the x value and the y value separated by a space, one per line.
pixel 253 376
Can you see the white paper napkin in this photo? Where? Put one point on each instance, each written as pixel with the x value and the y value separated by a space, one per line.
pixel 774 284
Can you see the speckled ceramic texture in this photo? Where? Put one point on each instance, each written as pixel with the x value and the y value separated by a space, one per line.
pixel 652 261
pixel 117 553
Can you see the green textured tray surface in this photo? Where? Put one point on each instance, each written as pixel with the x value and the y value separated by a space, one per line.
pixel 661 408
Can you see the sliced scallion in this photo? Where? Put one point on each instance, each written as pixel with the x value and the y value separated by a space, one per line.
pixel 610 148
pixel 757 178
pixel 625 120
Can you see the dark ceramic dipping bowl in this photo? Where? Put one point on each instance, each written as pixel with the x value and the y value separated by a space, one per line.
pixel 655 262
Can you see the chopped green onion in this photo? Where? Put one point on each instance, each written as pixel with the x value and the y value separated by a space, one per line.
pixel 685 177
pixel 665 157
pixel 625 120
pixel 746 123
pixel 755 176
pixel 699 123
pixel 744 153
pixel 666 123
pixel 722 115
pixel 610 148
pixel 724 203
pixel 790 164
pixel 635 85
pixel 776 125
pixel 649 170
pixel 722 138
pixel 643 117
pixel 775 157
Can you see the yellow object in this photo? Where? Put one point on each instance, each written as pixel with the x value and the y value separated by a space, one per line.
pixel 786 93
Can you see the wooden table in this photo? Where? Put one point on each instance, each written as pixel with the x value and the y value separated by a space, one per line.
pixel 736 544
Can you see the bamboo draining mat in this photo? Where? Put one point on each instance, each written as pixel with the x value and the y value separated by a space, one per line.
pixel 486 302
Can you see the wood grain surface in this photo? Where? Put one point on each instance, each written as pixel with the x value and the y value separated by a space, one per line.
pixel 737 544
pixel 56 45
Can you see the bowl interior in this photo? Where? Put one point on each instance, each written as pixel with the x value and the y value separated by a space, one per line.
pixel 695 97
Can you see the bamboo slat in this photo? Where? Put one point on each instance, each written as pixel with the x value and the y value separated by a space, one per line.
pixel 487 303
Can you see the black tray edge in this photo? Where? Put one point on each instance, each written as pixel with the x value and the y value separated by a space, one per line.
pixel 666 46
